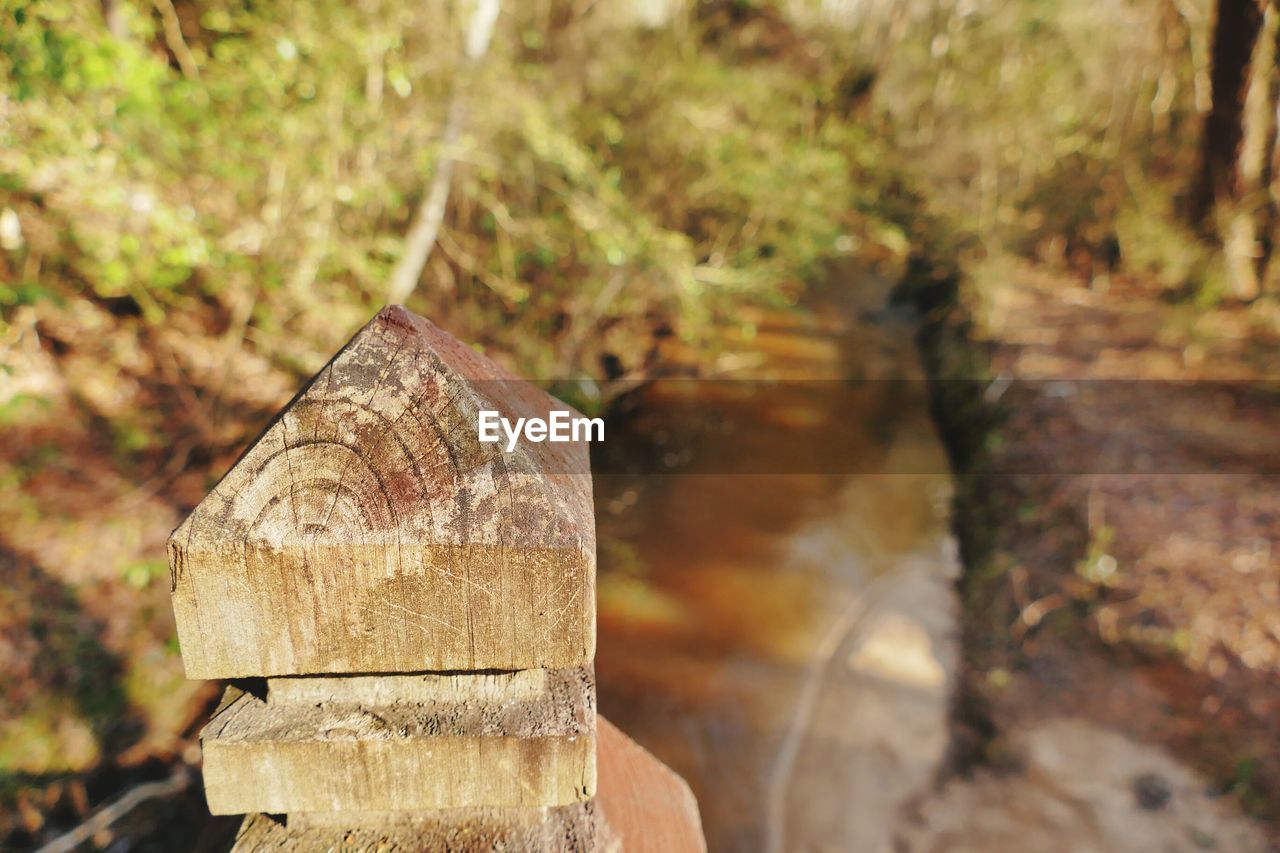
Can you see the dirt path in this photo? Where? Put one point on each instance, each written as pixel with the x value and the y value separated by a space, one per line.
pixel 1121 526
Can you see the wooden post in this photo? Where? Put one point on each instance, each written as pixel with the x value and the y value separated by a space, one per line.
pixel 408 615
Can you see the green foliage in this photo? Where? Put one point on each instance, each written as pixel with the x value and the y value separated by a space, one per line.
pixel 1098 566
pixel 1155 243
pixel 143 572
pixel 1048 127
pixel 13 409
pixel 23 293
pixel 606 174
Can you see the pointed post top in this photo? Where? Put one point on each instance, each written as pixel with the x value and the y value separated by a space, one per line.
pixel 368 529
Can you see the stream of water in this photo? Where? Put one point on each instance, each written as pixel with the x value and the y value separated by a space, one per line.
pixel 782 633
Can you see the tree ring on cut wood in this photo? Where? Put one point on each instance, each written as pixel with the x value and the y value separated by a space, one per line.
pixel 369 530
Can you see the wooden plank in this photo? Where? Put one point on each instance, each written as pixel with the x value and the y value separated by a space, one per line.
pixel 503 699
pixel 641 807
pixel 519 739
pixel 648 808
pixel 563 828
pixel 368 529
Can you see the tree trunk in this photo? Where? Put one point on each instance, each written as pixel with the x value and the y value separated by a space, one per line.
pixel 1234 36
pixel 1250 214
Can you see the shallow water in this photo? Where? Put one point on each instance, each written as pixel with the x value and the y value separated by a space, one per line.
pixel 776 613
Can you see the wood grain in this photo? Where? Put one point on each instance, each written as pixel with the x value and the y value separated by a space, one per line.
pixel 560 699
pixel 368 530
pixel 563 828
pixel 441 741
pixel 641 807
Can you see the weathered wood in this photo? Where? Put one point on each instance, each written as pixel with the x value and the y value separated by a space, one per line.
pixel 641 806
pixel 503 699
pixel 563 828
pixel 421 606
pixel 423 742
pixel 368 529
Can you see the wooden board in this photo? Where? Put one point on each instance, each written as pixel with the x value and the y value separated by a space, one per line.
pixel 369 530
pixel 641 807
pixel 554 699
pixel 444 741
pixel 647 807
pixel 564 828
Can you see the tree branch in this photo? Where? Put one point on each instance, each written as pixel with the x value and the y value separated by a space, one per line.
pixel 104 817
pixel 173 38
pixel 426 223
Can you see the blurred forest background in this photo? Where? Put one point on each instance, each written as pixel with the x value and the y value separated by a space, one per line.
pixel 200 200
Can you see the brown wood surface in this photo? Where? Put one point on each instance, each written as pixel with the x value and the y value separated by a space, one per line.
pixel 431 742
pixel 648 808
pixel 564 828
pixel 422 607
pixel 503 701
pixel 368 529
pixel 641 807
